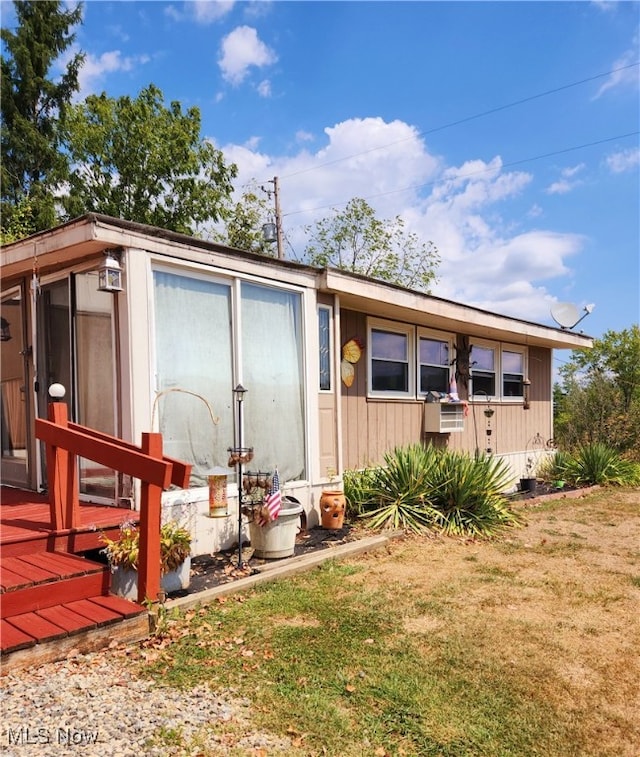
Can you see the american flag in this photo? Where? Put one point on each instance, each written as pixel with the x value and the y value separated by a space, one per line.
pixel 273 500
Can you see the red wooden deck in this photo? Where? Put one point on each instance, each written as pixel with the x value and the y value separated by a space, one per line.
pixel 53 600
pixel 25 524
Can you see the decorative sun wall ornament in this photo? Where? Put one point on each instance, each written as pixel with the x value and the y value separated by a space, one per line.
pixel 352 350
pixel 351 353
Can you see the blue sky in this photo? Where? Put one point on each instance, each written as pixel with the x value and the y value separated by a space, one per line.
pixel 504 132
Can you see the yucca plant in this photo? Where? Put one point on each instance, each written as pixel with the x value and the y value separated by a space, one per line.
pixel 468 495
pixel 395 494
pixel 599 464
pixel 420 488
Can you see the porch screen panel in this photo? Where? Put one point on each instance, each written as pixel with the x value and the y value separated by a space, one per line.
pixel 272 373
pixel 95 385
pixel 193 370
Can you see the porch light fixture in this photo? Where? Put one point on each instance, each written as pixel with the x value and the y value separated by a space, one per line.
pixel 110 272
pixel 5 330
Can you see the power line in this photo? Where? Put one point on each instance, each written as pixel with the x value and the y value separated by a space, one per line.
pixel 472 173
pixel 497 109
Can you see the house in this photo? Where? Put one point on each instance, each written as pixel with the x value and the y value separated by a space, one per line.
pixel 193 320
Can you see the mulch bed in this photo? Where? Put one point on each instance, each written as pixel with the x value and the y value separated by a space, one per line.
pixel 209 571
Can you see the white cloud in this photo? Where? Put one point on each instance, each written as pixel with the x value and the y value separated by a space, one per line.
pixel 483 262
pixel 208 11
pixel 567 180
pixel 625 70
pixel 240 50
pixel 264 88
pixel 95 68
pixel 626 160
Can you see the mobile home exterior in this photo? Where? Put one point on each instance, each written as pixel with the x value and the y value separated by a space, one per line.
pixel 338 368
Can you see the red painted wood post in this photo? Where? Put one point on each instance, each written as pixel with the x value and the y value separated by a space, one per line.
pixel 150 502
pixel 62 475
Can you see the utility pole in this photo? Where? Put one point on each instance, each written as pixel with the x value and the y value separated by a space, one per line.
pixel 278 219
pixel 276 194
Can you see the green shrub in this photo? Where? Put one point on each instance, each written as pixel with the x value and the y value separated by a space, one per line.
pixel 599 464
pixel 590 464
pixel 420 488
pixel 468 495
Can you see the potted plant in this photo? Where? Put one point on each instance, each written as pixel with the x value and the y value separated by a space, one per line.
pixel 175 558
pixel 529 481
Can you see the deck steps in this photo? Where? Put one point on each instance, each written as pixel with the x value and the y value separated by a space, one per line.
pixel 52 602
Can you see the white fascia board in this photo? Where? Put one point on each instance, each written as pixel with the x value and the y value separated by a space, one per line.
pixel 393 302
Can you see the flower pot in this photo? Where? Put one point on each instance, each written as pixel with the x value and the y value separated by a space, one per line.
pixel 124 581
pixel 528 484
pixel 277 538
pixel 332 509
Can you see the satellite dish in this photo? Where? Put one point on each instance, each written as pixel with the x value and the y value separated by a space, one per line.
pixel 567 315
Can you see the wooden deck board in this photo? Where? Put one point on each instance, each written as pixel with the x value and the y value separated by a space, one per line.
pixel 66 618
pixel 96 613
pixel 13 638
pixel 39 628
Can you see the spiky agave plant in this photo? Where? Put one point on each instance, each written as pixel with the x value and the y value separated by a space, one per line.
pixel 397 492
pixel 599 464
pixel 467 495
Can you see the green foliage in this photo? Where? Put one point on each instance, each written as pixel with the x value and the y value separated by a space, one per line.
pixel 591 464
pixel 420 488
pixel 468 494
pixel 33 108
pixel 599 398
pixel 355 240
pixel 175 547
pixel 139 160
pixel 243 225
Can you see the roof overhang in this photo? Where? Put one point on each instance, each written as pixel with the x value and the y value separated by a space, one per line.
pixel 384 300
pixel 84 239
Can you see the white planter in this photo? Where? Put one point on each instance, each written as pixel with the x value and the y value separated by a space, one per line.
pixel 124 581
pixel 278 538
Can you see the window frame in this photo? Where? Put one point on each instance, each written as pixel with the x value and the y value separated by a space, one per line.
pixel 392 327
pixel 523 352
pixel 495 347
pixel 499 348
pixel 436 336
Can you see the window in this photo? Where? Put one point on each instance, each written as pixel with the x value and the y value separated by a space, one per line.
pixel 196 351
pixel 433 363
pixel 272 371
pixel 483 371
pixel 390 350
pixel 193 342
pixel 324 346
pixel 512 374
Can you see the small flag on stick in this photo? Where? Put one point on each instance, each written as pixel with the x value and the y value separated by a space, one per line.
pixel 273 500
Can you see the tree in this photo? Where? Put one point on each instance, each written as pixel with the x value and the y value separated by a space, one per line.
pixel 243 225
pixel 355 240
pixel 599 399
pixel 139 160
pixel 33 107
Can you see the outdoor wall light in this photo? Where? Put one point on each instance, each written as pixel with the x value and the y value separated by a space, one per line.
pixel 110 272
pixel 5 330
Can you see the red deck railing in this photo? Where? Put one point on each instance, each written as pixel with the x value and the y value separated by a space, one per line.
pixel 65 441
